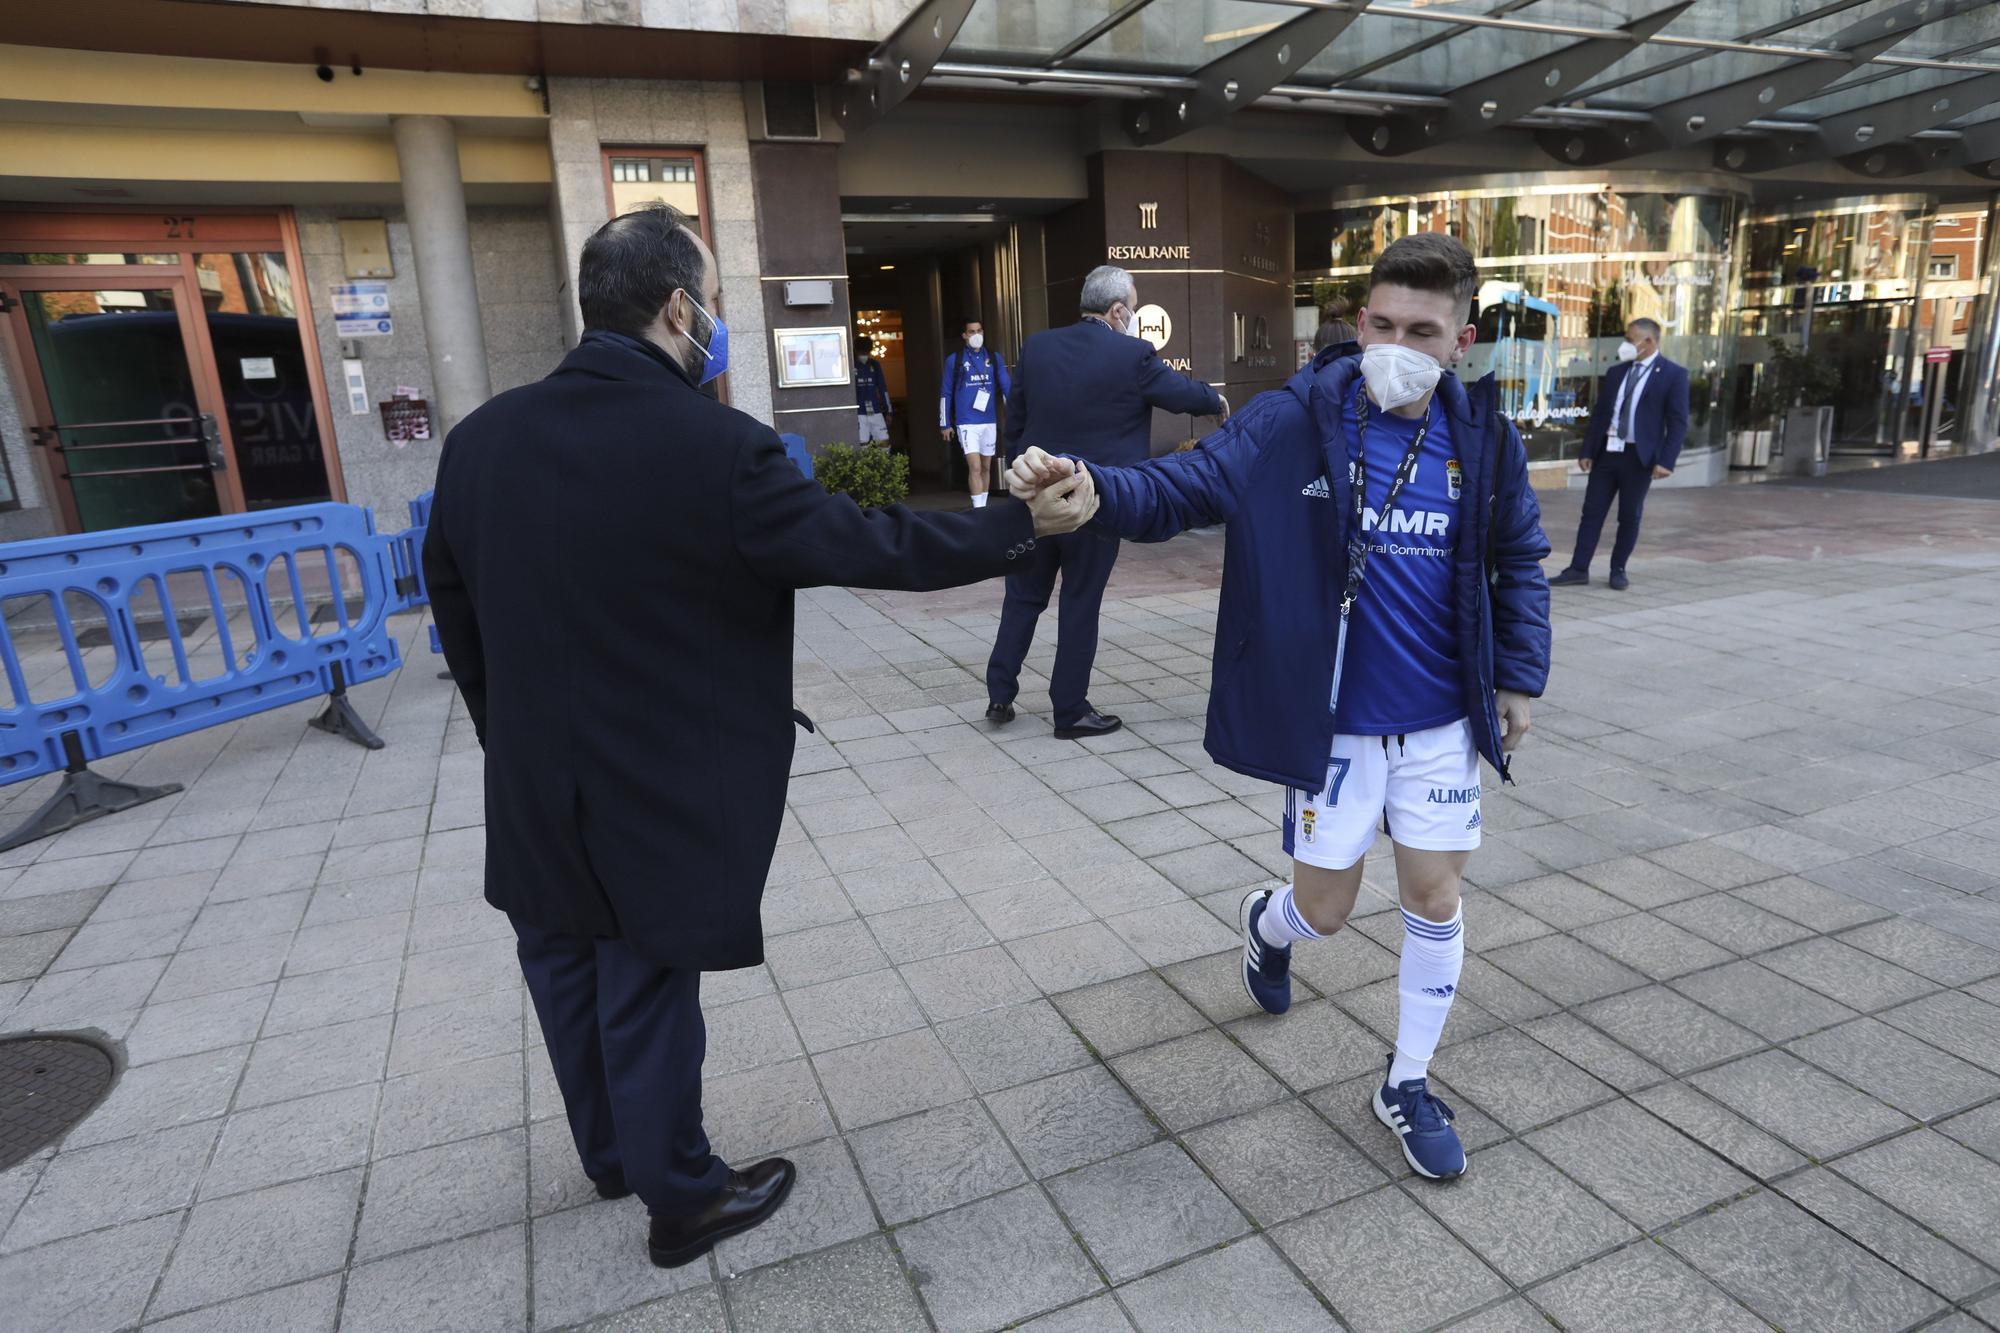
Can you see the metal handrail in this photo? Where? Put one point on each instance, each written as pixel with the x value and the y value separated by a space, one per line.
pixel 136 471
pixel 148 421
pixel 125 444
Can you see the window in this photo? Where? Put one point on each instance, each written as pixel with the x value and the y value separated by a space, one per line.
pixel 635 177
pixel 639 170
pixel 1943 266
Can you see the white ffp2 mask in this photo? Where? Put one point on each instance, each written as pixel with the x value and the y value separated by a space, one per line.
pixel 1627 352
pixel 976 341
pixel 1398 375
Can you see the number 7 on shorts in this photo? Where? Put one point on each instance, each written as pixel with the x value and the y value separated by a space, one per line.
pixel 1336 773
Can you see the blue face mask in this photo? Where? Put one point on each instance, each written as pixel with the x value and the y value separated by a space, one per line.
pixel 717 350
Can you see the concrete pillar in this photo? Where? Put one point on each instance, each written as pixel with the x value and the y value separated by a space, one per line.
pixel 434 202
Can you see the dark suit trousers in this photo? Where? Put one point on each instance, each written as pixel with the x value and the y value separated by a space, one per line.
pixel 1624 477
pixel 627 1039
pixel 1084 559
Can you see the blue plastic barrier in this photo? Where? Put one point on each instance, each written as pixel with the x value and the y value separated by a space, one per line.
pixel 795 449
pixel 183 566
pixel 412 539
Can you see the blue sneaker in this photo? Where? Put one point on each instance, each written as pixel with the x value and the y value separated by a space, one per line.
pixel 1422 1124
pixel 1267 969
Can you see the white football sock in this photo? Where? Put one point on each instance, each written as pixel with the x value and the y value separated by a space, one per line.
pixel 1283 924
pixel 1433 956
pixel 979 500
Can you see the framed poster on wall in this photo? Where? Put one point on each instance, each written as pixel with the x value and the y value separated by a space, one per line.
pixel 808 357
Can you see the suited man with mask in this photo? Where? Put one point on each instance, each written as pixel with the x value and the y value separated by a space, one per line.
pixel 611 559
pixel 1637 426
pixel 1087 389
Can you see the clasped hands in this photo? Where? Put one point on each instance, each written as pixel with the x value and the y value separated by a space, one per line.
pixel 1060 493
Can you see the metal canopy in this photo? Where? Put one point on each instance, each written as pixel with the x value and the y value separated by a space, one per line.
pixel 1630 76
pixel 1505 97
pixel 1866 132
pixel 901 63
pixel 1754 77
pixel 1977 150
pixel 1236 80
pixel 1097 30
pixel 1716 111
pixel 1703 117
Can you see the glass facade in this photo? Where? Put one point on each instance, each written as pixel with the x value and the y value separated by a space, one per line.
pixel 1889 292
pixel 1563 269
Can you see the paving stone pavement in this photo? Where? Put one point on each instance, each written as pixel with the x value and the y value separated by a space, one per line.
pixel 1727 1054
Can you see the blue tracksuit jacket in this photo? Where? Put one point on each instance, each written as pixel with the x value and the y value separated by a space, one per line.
pixel 1277 475
pixel 966 372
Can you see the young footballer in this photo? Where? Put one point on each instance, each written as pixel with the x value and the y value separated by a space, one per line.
pixel 1383 623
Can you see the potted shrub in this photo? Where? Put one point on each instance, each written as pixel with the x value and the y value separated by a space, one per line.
pixel 870 477
pixel 1790 377
pixel 1800 386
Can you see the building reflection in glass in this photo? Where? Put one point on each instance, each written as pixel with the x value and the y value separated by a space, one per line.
pixel 1893 278
pixel 1563 269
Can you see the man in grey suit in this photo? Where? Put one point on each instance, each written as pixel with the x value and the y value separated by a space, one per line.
pixel 1088 389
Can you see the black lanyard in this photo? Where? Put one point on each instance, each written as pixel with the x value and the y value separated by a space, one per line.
pixel 1357 541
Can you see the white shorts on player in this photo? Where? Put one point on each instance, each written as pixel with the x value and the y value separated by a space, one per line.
pixel 873 426
pixel 1424 786
pixel 982 440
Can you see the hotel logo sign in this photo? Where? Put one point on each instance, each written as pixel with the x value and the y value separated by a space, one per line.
pixel 1252 342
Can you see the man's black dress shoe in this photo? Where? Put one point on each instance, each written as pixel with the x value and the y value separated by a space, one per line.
pixel 1619 583
pixel 999 713
pixel 748 1198
pixel 1090 724
pixel 1569 578
pixel 613 1187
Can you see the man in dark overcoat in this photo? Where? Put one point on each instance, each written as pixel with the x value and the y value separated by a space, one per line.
pixel 611 561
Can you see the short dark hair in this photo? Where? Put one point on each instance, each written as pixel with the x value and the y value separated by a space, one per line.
pixel 1649 327
pixel 864 346
pixel 631 266
pixel 1428 261
pixel 970 319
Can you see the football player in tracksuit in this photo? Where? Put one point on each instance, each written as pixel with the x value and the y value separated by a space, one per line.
pixel 1383 623
pixel 871 395
pixel 974 382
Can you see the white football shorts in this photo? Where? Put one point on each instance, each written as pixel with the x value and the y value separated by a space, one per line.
pixel 1423 787
pixel 983 440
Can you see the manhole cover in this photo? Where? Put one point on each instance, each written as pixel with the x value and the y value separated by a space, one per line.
pixel 47 1084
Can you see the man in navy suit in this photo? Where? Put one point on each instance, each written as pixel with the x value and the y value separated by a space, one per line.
pixel 1087 390
pixel 1634 439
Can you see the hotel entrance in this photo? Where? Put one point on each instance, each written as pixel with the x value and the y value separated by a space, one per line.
pixel 914 281
pixel 171 368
